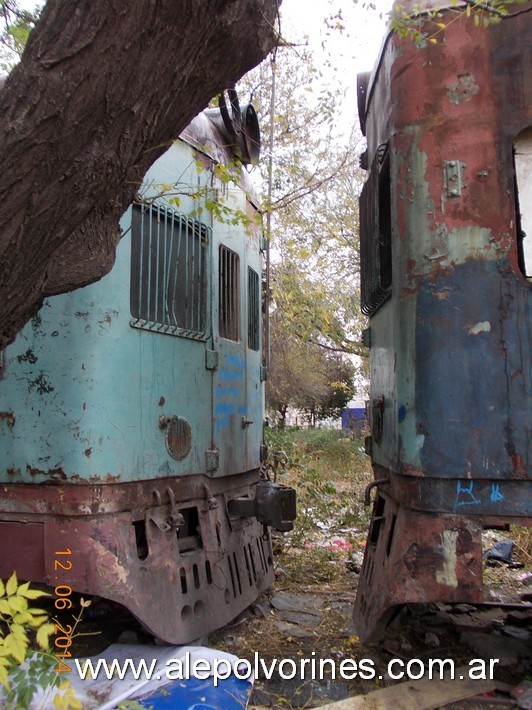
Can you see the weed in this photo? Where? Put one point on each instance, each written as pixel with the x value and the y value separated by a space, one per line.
pixel 329 471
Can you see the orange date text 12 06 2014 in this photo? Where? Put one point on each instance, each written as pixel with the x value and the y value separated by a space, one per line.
pixel 63 592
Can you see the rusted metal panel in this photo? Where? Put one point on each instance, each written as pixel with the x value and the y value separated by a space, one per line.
pixel 450 356
pixel 104 499
pixel 201 566
pixel 22 549
pixel 415 558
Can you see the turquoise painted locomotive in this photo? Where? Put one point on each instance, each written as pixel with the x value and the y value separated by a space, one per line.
pixel 131 410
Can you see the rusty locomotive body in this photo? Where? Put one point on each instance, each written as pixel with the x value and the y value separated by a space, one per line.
pixel 446 232
pixel 131 411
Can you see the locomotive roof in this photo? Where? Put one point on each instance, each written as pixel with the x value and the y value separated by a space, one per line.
pixel 205 136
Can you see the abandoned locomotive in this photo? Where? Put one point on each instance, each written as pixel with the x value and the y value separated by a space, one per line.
pixel 446 232
pixel 131 410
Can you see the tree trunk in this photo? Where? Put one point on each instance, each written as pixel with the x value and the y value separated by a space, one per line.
pixel 102 90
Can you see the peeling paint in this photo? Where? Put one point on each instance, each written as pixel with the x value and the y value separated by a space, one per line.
pixel 447 575
pixel 28 356
pixel 482 327
pixel 53 475
pixel 464 89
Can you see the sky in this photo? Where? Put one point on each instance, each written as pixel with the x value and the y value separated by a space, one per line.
pixel 364 21
pixel 352 50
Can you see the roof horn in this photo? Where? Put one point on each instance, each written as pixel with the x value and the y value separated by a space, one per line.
pixel 240 127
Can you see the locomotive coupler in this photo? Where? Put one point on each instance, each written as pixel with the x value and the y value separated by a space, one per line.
pixel 273 505
pixel 171 520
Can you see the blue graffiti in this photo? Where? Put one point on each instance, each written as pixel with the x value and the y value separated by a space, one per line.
pixel 236 361
pixel 465 495
pixel 231 375
pixel 222 392
pixel 496 494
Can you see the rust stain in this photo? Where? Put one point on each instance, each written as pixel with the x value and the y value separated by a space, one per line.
pixel 54 474
pixel 88 452
pixel 108 478
pixel 519 466
pixel 9 418
pixel 161 401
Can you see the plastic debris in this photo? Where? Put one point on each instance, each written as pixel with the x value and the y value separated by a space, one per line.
pixel 157 677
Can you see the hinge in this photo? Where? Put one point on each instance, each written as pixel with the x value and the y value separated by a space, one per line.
pixel 211 359
pixel 263 373
pixel 366 337
pixel 453 177
pixel 212 459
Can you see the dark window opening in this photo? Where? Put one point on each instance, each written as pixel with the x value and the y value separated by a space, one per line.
pixel 253 310
pixel 376 233
pixel 188 535
pixel 377 520
pixel 141 539
pixel 391 535
pixel 183 578
pixel 208 572
pixel 229 294
pixel 523 199
pixel 168 272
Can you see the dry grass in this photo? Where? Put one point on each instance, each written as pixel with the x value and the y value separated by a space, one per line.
pixel 522 538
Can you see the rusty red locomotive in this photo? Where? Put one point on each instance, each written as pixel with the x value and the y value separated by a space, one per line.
pixel 446 233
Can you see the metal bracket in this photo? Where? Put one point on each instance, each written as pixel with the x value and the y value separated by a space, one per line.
pixel 211 359
pixel 453 181
pixel 168 521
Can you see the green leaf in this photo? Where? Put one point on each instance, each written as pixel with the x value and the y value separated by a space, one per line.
pixel 17 604
pixel 44 633
pixel 11 586
pixel 24 591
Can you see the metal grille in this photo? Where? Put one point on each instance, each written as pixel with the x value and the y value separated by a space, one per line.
pixel 168 272
pixel 253 310
pixel 229 294
pixel 376 234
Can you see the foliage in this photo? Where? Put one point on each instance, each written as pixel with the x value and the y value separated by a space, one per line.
pixel 204 198
pixel 18 617
pixel 312 206
pixel 421 25
pixel 23 668
pixel 329 471
pixel 305 376
pixel 310 197
pixel 17 24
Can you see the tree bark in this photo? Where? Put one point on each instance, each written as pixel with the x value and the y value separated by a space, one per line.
pixel 102 90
